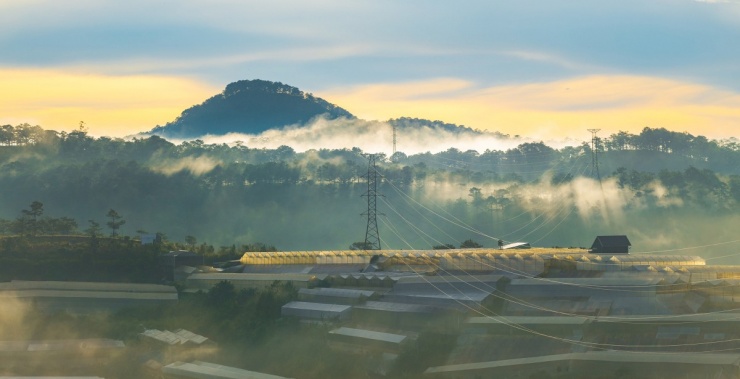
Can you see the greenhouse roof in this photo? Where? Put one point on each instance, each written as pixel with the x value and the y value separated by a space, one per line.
pixel 204 370
pixel 369 334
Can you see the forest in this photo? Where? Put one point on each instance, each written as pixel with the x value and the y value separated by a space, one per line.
pixel 664 189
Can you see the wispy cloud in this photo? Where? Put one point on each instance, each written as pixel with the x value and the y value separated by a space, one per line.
pixel 194 165
pixel 163 64
pixel 548 58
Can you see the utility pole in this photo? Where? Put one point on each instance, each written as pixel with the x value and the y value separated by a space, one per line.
pixel 372 236
pixel 595 154
pixel 394 140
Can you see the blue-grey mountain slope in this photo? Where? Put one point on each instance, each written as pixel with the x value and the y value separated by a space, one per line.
pixel 250 107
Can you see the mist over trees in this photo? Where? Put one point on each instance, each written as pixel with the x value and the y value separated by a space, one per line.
pixel 662 188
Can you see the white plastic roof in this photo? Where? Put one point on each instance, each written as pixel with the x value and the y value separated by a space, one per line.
pixel 369 335
pixel 205 370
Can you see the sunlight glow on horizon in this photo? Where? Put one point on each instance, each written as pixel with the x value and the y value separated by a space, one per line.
pixel 114 106
pixel 551 110
pixel 118 106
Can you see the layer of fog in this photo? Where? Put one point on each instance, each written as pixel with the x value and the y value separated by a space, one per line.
pixel 370 136
pixel 195 165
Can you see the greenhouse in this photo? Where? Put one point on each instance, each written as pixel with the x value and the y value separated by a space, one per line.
pixel 204 370
pixel 316 311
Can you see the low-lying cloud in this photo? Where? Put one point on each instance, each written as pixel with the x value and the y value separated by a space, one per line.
pixel 369 136
pixel 195 165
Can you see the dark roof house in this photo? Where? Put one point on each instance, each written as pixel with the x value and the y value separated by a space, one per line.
pixel 611 245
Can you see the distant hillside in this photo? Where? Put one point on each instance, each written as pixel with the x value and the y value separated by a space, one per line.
pixel 418 123
pixel 249 106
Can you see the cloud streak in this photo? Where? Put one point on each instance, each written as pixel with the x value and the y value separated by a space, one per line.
pixel 195 165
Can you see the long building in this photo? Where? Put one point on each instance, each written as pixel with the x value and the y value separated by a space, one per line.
pixel 87 297
pixel 528 262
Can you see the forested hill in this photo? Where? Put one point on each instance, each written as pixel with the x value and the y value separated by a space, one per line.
pixel 249 107
pixel 681 188
pixel 417 123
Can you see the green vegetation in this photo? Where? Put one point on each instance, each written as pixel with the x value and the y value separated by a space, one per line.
pixel 682 188
pixel 234 195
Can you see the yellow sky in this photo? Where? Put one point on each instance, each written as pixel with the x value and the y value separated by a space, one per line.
pixel 110 105
pixel 554 109
pixel 123 105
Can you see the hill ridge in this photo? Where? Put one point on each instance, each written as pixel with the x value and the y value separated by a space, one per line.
pixel 250 107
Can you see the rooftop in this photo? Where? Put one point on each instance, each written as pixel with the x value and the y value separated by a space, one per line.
pixel 369 334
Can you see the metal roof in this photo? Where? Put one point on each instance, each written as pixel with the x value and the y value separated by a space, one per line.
pixel 464 278
pixel 205 370
pixel 397 307
pixel 468 295
pixel 618 282
pixel 89 294
pixel 410 253
pixel 369 334
pixel 336 292
pixel 317 306
pixel 179 337
pixel 255 277
pixel 516 245
pixel 19 285
pixel 608 241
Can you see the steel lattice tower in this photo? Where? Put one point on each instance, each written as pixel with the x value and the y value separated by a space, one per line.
pixel 372 236
pixel 394 140
pixel 595 154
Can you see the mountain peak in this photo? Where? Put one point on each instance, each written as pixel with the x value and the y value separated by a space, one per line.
pixel 258 85
pixel 250 107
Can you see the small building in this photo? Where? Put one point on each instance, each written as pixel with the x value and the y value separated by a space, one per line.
pixel 611 245
pixel 335 295
pixel 206 281
pixel 462 292
pixel 363 341
pixel 316 311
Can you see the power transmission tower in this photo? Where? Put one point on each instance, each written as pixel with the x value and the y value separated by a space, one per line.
pixel 372 236
pixel 595 154
pixel 394 140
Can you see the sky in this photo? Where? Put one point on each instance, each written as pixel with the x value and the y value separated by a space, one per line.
pixel 542 69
